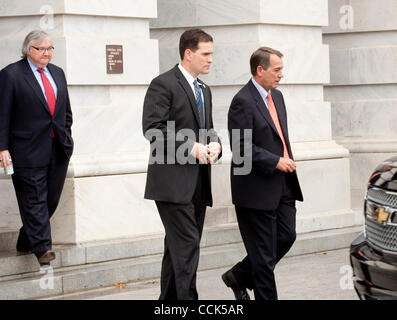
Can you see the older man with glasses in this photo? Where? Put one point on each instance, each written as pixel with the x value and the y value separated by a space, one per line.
pixel 35 134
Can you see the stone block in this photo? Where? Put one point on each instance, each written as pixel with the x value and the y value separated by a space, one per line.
pixel 360 39
pixel 117 130
pixel 216 215
pixel 120 8
pixel 220 235
pixel 317 179
pixel 92 96
pixel 326 221
pixel 340 94
pixel 324 241
pixel 308 121
pixel 221 185
pixel 341 119
pixel 374 118
pixel 90 67
pixel 44 284
pixel 340 68
pixel 222 12
pixel 106 274
pixel 105 27
pixel 127 248
pixel 72 255
pixel 302 92
pixel 367 16
pixel 109 207
pixel 374 65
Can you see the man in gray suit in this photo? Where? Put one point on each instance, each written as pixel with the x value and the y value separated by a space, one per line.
pixel 177 120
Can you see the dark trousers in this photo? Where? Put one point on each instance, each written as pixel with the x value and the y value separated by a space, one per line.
pixel 267 237
pixel 183 224
pixel 38 191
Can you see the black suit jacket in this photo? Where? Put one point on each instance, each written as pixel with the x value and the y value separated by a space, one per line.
pixel 25 120
pixel 262 187
pixel 170 98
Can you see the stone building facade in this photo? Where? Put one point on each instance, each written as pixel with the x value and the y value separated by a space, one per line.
pixel 339 84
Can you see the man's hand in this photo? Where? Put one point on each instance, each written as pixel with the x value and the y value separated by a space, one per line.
pixel 200 152
pixel 286 165
pixel 214 149
pixel 5 158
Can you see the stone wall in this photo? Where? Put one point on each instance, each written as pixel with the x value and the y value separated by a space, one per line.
pixel 362 36
pixel 103 195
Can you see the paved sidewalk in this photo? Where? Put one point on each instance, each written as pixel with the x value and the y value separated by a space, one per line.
pixel 308 277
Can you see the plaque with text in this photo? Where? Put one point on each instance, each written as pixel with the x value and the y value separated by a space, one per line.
pixel 114 59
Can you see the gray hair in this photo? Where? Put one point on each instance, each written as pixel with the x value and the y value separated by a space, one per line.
pixel 38 35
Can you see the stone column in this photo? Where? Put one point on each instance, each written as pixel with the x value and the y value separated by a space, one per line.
pixel 103 195
pixel 362 36
pixel 295 28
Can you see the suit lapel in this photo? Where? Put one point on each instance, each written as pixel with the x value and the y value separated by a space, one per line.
pixel 32 81
pixel 188 90
pixel 260 105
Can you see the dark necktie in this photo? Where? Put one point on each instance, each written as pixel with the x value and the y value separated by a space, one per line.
pixel 200 104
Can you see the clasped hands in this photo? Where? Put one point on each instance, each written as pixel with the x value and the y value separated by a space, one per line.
pixel 206 153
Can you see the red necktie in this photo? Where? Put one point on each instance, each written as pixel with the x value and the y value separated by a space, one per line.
pixel 273 114
pixel 49 92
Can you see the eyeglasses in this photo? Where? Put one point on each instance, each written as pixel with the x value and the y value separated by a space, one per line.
pixel 42 50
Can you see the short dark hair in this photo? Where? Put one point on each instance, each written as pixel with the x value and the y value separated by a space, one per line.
pixel 261 57
pixel 190 40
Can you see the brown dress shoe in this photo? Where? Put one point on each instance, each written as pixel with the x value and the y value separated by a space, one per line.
pixel 46 257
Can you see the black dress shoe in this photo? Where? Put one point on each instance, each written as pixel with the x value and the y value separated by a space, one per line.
pixel 230 281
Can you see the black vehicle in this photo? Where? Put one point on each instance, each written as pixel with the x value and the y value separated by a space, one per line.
pixel 373 255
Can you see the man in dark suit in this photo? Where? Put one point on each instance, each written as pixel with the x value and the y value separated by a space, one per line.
pixel 264 196
pixel 35 132
pixel 177 120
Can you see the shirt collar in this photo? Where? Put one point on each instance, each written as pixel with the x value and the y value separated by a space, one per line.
pixel 187 75
pixel 34 67
pixel 262 91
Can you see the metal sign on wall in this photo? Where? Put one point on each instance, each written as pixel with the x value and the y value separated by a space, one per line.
pixel 114 59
